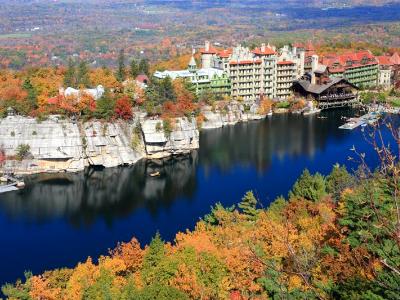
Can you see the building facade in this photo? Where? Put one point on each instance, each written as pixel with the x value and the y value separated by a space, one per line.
pixel 262 71
pixel 203 79
pixel 359 68
pixel 389 66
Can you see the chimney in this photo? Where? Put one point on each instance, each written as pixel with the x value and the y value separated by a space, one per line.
pixel 314 66
pixel 263 47
pixel 207 46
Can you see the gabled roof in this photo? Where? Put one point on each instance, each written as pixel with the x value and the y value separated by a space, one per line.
pixel 395 59
pixel 225 53
pixel 265 51
pixel 384 60
pixel 320 88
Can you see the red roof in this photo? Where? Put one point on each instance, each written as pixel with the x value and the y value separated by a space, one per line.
pixel 225 53
pixel 267 51
pixel 245 62
pixel 285 62
pixel 395 59
pixel 52 100
pixel 211 50
pixel 142 78
pixel 384 60
pixel 334 61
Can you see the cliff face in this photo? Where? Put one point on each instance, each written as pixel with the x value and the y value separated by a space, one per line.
pixel 182 137
pixel 62 145
pixel 231 114
pixel 58 145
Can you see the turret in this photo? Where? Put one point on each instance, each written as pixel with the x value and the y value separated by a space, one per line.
pixel 314 66
pixel 192 67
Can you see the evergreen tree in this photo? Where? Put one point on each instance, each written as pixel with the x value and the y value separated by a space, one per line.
pixel 32 93
pixel 338 180
pixel 134 69
pixel 120 75
pixel 105 106
pixel 310 187
pixel 152 260
pixel 69 77
pixel 166 90
pixel 144 67
pixel 82 78
pixel 249 205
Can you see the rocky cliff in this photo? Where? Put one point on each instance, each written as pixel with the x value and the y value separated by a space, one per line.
pixel 177 136
pixel 230 114
pixel 58 145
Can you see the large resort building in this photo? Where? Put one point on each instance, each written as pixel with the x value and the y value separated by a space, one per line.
pixel 245 74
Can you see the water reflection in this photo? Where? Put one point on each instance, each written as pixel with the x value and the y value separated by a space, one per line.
pixel 110 193
pixel 258 143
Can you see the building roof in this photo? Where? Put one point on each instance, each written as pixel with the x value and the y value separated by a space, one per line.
pixel 320 88
pixel 384 60
pixel 211 50
pixel 225 53
pixel 245 62
pixel 285 62
pixel 264 51
pixel 395 59
pixel 142 78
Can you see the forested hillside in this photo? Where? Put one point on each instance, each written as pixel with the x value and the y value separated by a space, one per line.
pixel 335 237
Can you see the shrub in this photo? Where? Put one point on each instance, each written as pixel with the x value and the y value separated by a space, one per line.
pixel 283 104
pixel 23 151
pixel 167 128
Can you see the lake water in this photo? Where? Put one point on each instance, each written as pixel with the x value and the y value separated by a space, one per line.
pixel 59 220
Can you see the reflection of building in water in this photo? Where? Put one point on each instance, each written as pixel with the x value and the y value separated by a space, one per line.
pixel 85 196
pixel 258 143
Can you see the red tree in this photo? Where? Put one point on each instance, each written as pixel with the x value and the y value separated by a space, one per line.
pixel 123 108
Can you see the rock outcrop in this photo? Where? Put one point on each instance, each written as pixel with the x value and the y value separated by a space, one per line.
pixel 62 145
pixel 181 136
pixel 230 114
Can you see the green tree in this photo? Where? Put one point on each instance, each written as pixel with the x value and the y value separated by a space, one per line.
pixel 134 69
pixel 69 77
pixel 144 67
pixel 105 106
pixel 158 291
pixel 338 180
pixel 212 217
pixel 20 290
pixel 102 288
pixel 82 77
pixel 310 187
pixel 121 72
pixel 248 205
pixel 32 93
pixel 152 260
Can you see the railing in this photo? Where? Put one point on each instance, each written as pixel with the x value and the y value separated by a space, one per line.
pixel 337 96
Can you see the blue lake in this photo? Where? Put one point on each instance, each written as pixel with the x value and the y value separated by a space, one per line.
pixel 61 219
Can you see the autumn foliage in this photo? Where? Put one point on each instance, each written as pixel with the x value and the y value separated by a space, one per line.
pixel 300 248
